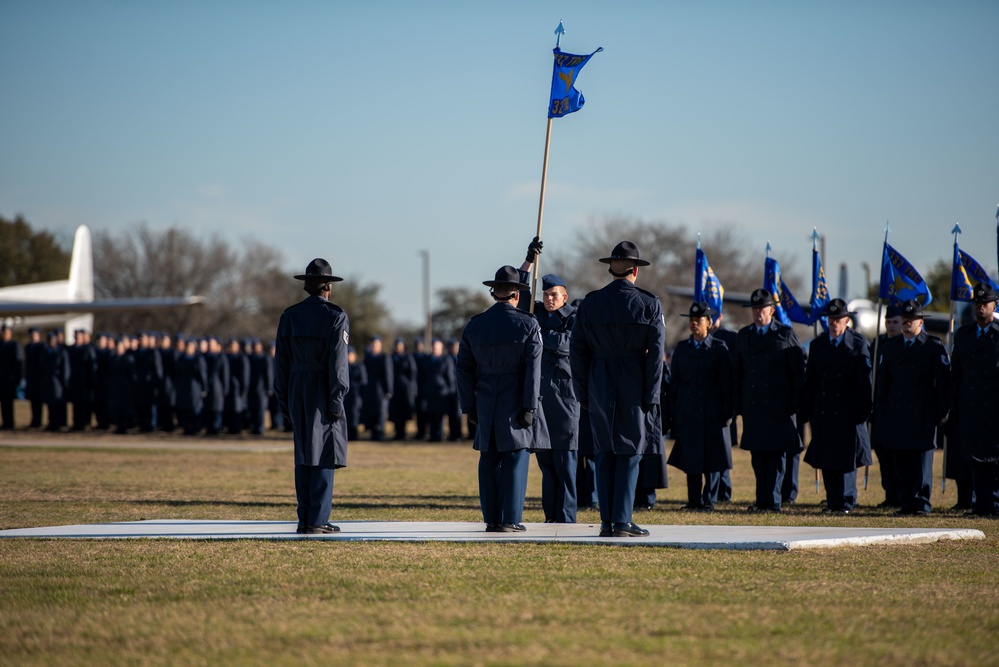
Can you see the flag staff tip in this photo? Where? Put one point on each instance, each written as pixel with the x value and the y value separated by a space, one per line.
pixel 957 228
pixel 559 31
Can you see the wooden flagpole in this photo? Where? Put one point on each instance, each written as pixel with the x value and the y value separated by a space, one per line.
pixel 541 210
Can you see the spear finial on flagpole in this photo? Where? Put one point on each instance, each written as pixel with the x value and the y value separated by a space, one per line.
pixel 559 31
pixel 698 240
pixel 769 248
pixel 815 238
pixel 956 230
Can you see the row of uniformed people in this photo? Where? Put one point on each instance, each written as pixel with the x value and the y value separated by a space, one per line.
pixel 403 386
pixel 147 381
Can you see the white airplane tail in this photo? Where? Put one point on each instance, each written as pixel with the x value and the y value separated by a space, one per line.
pixel 81 267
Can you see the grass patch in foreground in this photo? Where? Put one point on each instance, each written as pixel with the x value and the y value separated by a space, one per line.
pixel 167 602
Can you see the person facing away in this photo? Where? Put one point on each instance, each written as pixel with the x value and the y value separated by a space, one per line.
pixel 499 385
pixel 616 354
pixel 311 382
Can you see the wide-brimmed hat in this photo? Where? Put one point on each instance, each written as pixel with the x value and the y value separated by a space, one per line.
pixel 912 310
pixel 699 309
pixel 983 293
pixel 319 269
pixel 760 298
pixel 836 309
pixel 625 250
pixel 506 276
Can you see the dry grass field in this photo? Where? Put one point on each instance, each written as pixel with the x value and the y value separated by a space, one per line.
pixel 155 602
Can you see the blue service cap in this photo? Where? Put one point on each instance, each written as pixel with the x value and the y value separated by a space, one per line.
pixel 550 280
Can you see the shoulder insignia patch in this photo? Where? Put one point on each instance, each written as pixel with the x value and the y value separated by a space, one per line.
pixel 346 337
pixel 944 360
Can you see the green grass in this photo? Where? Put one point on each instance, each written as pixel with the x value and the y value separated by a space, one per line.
pixel 301 603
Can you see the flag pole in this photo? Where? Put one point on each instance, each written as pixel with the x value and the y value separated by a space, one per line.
pixel 815 321
pixel 950 346
pixel 541 209
pixel 877 341
pixel 559 31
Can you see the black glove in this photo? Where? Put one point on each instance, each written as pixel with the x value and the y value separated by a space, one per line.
pixel 473 417
pixel 534 249
pixel 525 418
pixel 333 416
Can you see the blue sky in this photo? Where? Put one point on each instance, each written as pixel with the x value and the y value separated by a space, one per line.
pixel 365 132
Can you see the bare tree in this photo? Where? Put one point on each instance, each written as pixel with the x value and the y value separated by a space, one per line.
pixel 246 289
pixel 670 248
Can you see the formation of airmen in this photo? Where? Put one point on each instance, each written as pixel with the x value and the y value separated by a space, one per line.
pixel 150 381
pixel 590 389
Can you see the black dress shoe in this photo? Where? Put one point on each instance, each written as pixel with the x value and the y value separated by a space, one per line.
pixel 606 530
pixel 887 504
pixel 961 506
pixel 493 528
pixel 628 530
pixel 836 510
pixel 302 529
pixel 689 507
pixel 325 528
pixel 512 528
pixel 644 507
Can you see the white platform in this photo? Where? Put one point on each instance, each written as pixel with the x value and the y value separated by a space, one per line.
pixel 780 538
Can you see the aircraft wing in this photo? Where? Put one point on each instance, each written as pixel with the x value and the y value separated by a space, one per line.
pixel 32 308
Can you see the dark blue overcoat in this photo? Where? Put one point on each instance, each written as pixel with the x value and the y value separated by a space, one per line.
pixel 403 401
pixel 191 381
pixel 700 400
pixel 440 382
pixel 837 402
pixel 218 380
pixel 499 374
pixel 311 379
pixel 912 393
pixel 558 397
pixel 974 395
pixel 769 376
pixel 616 355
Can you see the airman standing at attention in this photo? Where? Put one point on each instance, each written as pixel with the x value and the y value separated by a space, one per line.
pixel 499 385
pixel 11 374
pixel 893 328
pixel 911 402
pixel 769 375
pixel 974 397
pixel 728 337
pixel 378 391
pixel 311 381
pixel 404 385
pixel 837 402
pixel 616 353
pixel 701 405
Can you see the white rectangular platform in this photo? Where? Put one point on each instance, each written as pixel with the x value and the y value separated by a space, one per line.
pixel 779 538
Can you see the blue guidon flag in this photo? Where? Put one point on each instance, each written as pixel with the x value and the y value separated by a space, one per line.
pixel 965 275
pixel 787 309
pixel 900 281
pixel 707 287
pixel 565 98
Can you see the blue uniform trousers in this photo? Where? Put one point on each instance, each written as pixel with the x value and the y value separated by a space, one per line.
pixel 705 495
pixel 789 486
pixel 886 462
pixel 503 485
pixel 558 484
pixel 314 490
pixel 986 479
pixel 914 475
pixel 586 482
pixel 841 489
pixel 769 470
pixel 616 479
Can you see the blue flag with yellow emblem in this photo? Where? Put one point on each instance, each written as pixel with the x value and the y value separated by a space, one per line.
pixel 900 281
pixel 707 287
pixel 820 292
pixel 965 275
pixel 787 310
pixel 565 98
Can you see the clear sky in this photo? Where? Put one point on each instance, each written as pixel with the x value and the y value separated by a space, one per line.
pixel 364 132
